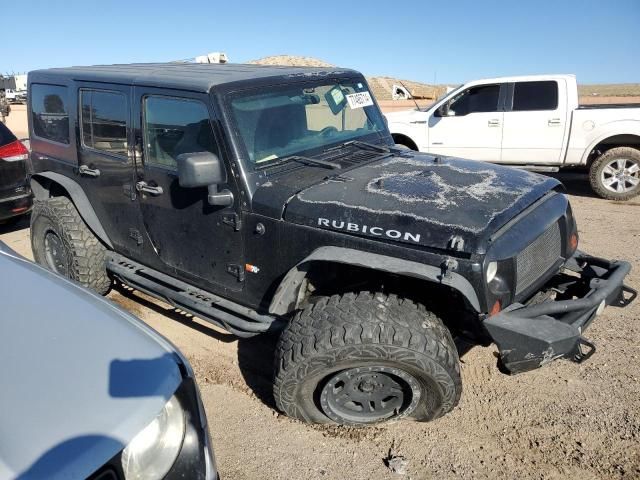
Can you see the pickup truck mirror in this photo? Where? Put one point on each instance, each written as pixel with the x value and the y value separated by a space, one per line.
pixel 204 169
pixel 443 110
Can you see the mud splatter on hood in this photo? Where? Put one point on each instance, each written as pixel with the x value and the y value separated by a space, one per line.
pixel 418 200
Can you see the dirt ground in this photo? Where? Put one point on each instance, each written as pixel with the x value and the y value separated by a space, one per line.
pixel 565 420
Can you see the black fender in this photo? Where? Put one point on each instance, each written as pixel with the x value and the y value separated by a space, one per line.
pixel 286 296
pixel 41 186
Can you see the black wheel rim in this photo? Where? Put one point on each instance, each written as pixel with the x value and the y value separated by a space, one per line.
pixel 55 253
pixel 369 394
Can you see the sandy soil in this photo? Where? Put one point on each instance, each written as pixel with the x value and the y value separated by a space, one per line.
pixel 560 421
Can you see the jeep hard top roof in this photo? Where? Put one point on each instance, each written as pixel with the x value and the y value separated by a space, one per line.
pixel 199 77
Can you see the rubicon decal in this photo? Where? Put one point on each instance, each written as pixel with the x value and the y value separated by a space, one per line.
pixel 367 229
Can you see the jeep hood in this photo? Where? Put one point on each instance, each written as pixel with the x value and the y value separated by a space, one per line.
pixel 80 377
pixel 419 199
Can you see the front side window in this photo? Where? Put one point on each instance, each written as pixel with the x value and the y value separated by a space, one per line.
pixel 483 98
pixel 531 96
pixel 49 112
pixel 282 121
pixel 173 126
pixel 104 121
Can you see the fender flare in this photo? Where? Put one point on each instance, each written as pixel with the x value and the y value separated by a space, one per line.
pixel 286 295
pixel 631 127
pixel 41 185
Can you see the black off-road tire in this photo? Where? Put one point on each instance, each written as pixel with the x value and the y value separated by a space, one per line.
pixel 361 331
pixel 628 154
pixel 84 255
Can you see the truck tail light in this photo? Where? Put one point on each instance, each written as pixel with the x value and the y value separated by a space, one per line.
pixel 13 152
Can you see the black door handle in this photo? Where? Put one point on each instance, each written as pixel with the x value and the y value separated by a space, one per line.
pixel 144 187
pixel 89 172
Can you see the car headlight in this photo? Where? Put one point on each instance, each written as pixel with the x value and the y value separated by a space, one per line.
pixel 492 269
pixel 152 452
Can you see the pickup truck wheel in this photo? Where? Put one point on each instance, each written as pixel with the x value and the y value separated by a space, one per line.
pixel 63 243
pixel 615 175
pixel 365 358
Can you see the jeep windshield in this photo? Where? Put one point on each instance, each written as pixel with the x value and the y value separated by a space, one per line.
pixel 304 120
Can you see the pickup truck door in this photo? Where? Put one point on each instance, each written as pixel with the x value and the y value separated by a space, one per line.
pixel 535 122
pixel 196 242
pixel 470 125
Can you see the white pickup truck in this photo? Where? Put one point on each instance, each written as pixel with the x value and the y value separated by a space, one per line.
pixel 532 122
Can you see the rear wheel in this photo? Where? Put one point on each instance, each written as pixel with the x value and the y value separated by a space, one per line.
pixel 62 242
pixel 365 358
pixel 615 175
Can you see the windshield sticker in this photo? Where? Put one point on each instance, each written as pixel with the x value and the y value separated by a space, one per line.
pixel 337 95
pixel 359 100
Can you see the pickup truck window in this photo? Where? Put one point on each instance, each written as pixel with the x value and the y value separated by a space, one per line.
pixel 104 121
pixel 50 115
pixel 483 98
pixel 531 96
pixel 173 126
pixel 282 121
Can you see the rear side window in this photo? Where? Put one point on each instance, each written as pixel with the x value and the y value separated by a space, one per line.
pixel 104 121
pixel 529 96
pixel 49 112
pixel 5 135
pixel 483 98
pixel 173 126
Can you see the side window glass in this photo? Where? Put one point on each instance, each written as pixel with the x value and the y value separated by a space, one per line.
pixel 104 121
pixel 174 126
pixel 531 96
pixel 49 112
pixel 483 98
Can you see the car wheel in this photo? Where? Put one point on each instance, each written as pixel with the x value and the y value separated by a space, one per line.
pixel 365 358
pixel 615 175
pixel 63 243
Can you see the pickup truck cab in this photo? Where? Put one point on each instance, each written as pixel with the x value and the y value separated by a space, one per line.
pixel 534 122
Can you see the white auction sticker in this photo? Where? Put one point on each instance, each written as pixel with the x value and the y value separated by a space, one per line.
pixel 359 100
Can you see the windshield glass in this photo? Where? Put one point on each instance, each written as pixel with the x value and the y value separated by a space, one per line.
pixel 282 121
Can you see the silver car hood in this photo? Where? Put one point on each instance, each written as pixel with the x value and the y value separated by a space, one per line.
pixel 79 379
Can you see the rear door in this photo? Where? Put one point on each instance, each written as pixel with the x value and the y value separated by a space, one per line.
pixel 192 240
pixel 535 122
pixel 106 164
pixel 472 127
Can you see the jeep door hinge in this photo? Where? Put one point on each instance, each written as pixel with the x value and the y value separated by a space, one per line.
pixel 232 219
pixel 236 270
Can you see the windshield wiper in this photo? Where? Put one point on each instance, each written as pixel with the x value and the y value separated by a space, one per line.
pixel 360 144
pixel 302 159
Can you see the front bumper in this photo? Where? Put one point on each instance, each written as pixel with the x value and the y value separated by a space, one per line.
pixel 14 206
pixel 530 336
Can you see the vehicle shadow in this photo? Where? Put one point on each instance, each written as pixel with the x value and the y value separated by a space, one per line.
pixel 14 224
pixel 168 311
pixel 576 183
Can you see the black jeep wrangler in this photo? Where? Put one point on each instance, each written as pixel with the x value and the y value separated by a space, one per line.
pixel 273 199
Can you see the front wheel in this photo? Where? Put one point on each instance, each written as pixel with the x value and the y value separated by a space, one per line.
pixel 365 358
pixel 615 175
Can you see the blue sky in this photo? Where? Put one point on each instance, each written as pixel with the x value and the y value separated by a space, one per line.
pixel 450 42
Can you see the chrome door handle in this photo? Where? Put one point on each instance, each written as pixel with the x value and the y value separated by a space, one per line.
pixel 89 172
pixel 144 187
pixel 494 123
pixel 554 122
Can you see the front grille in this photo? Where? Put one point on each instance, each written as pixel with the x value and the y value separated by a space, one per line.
pixel 535 260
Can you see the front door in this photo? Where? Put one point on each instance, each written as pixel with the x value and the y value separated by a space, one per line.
pixel 471 127
pixel 192 240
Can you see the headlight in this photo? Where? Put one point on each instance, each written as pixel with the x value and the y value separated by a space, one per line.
pixel 492 269
pixel 153 451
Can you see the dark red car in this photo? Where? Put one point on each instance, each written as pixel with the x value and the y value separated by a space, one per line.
pixel 15 193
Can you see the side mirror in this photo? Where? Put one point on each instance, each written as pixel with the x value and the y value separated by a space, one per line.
pixel 204 169
pixel 443 110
